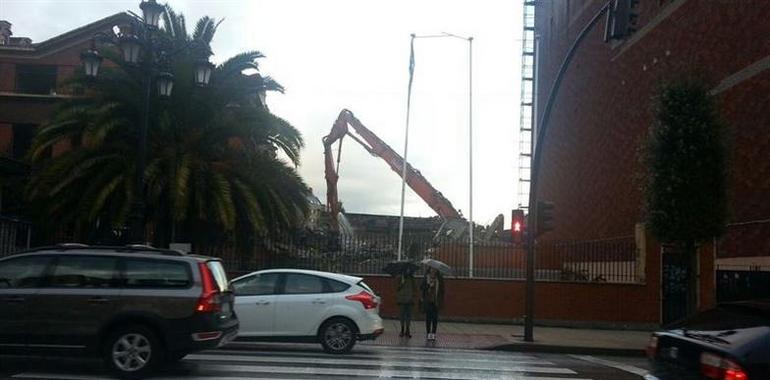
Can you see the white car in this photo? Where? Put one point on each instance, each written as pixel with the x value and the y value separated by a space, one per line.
pixel 296 305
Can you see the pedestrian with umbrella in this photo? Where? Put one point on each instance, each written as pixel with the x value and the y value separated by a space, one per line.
pixel 433 291
pixel 406 291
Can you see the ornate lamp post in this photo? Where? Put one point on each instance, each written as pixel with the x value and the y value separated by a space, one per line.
pixel 139 46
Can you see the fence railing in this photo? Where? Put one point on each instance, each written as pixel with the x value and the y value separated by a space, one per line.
pixel 598 261
pixel 15 235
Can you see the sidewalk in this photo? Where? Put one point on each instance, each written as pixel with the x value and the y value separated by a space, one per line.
pixel 510 338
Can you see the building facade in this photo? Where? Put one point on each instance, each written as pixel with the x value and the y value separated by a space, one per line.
pixel 603 110
pixel 32 82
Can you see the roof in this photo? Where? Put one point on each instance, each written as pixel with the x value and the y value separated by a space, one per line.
pixel 66 40
pixel 83 249
pixel 334 276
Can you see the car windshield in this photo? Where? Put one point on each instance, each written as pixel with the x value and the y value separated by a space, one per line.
pixel 726 317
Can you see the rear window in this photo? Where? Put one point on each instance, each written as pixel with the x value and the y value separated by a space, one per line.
pixel 156 274
pixel 220 276
pixel 368 289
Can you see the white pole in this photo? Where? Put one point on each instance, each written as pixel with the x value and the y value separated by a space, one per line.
pixel 470 150
pixel 406 145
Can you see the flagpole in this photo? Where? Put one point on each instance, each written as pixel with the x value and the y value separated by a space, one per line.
pixel 406 146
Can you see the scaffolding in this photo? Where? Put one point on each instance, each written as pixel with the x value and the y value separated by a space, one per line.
pixel 528 110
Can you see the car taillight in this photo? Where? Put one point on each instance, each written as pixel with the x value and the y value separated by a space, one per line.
pixel 714 366
pixel 652 347
pixel 365 298
pixel 208 302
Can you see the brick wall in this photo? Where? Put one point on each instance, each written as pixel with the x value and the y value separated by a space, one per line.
pixel 603 110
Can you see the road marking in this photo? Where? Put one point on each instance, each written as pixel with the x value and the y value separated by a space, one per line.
pixel 442 377
pixel 385 372
pixel 385 356
pixel 438 364
pixel 51 376
pixel 609 363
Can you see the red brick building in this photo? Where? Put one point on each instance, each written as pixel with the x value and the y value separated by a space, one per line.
pixel 31 84
pixel 603 112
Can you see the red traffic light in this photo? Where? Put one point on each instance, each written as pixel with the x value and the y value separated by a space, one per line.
pixel 517 225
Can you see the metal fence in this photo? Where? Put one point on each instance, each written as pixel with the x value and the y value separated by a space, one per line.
pixel 597 261
pixel 15 235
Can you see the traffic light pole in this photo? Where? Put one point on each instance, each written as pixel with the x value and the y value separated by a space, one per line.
pixel 529 304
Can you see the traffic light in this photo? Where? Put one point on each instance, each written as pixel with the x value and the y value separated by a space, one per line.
pixel 517 225
pixel 544 217
pixel 622 19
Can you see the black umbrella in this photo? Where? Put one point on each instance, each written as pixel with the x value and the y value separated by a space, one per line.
pixel 395 268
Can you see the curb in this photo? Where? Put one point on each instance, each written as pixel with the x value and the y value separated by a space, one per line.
pixel 578 350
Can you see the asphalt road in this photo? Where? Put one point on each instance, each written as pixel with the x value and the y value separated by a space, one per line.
pixel 275 361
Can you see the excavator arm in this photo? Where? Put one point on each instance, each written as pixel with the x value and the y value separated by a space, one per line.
pixel 376 147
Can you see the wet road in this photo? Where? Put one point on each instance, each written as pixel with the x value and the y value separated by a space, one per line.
pixel 274 361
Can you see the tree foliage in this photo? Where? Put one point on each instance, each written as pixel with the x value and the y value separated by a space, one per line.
pixel 213 156
pixel 685 158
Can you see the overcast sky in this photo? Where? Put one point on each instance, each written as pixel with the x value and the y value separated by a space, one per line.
pixel 354 54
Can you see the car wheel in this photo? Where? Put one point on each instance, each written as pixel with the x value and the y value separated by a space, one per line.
pixel 338 335
pixel 132 352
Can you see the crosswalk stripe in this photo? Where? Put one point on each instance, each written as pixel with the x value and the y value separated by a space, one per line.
pixel 441 364
pixel 361 350
pixel 381 357
pixel 609 363
pixel 382 371
pixel 51 376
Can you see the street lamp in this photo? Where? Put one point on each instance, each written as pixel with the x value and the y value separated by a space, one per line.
pixel 131 48
pixel 165 83
pixel 142 48
pixel 92 60
pixel 151 12
pixel 203 70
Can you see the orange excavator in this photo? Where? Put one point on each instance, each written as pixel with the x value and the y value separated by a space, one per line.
pixel 454 224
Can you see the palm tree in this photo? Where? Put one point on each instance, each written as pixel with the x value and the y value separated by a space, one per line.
pixel 217 159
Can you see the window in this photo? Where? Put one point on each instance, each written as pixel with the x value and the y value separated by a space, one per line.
pixel 219 275
pixel 35 79
pixel 156 274
pixel 22 139
pixel 261 284
pixel 23 272
pixel 84 272
pixel 363 285
pixel 303 284
pixel 336 286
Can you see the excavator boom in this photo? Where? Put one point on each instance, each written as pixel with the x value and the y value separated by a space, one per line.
pixel 375 146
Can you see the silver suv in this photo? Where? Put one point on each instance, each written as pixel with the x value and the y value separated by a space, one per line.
pixel 134 306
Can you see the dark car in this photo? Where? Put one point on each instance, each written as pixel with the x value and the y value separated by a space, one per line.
pixel 136 306
pixel 729 342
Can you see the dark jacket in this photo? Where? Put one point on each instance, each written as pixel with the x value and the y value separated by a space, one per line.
pixel 405 290
pixel 433 294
